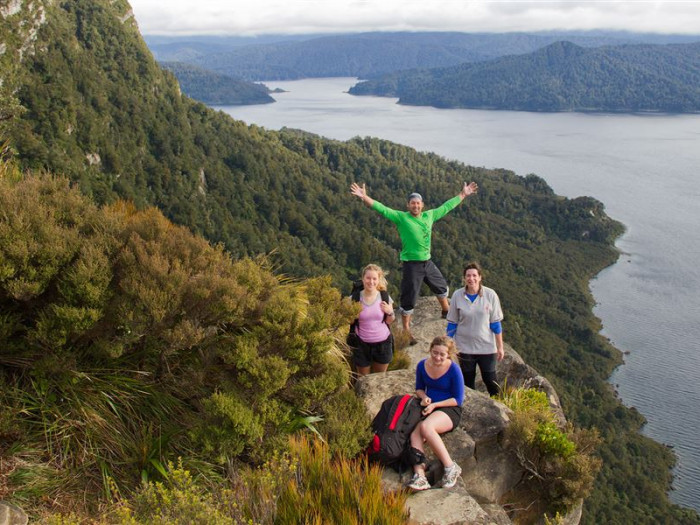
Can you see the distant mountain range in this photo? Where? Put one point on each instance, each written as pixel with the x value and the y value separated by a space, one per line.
pixel 367 55
pixel 560 77
pixel 589 71
pixel 214 88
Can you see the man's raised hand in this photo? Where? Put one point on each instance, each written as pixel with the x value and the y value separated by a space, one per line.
pixel 359 191
pixel 468 189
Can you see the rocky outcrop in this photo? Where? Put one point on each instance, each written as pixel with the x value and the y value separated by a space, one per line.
pixel 24 19
pixel 489 470
pixel 12 515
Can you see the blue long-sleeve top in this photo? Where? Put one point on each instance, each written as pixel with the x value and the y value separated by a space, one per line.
pixel 448 385
pixel 496 328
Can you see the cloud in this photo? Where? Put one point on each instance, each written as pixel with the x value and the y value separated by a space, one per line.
pixel 246 17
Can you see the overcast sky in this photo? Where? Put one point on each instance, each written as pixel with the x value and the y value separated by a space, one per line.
pixel 257 17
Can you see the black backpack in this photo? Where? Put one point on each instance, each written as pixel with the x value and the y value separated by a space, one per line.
pixel 392 427
pixel 357 287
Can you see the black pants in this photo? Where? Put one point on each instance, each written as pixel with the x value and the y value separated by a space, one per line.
pixel 414 274
pixel 487 366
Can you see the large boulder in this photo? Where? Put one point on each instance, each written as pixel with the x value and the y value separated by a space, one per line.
pixel 452 506
pixel 375 388
pixel 488 469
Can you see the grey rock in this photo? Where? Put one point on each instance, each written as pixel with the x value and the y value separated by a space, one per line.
pixel 375 388
pixel 447 506
pixel 574 516
pixel 482 417
pixel 498 515
pixel 12 515
pixel 488 469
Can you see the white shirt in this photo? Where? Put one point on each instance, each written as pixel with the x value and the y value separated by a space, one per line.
pixel 474 334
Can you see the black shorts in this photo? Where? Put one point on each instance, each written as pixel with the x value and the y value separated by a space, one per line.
pixel 367 353
pixel 454 413
pixel 414 274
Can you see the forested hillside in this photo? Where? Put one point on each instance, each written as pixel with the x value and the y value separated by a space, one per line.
pixel 367 55
pixel 560 77
pixel 99 110
pixel 215 89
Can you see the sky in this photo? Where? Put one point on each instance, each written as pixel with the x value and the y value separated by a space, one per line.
pixel 260 17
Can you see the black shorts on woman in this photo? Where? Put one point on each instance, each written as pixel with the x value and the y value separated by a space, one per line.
pixel 367 353
pixel 454 413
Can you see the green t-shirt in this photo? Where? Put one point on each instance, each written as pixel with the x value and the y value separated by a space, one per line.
pixel 416 232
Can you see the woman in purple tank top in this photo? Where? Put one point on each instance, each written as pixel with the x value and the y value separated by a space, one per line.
pixel 376 345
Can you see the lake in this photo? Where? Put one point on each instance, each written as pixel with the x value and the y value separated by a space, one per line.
pixel 645 168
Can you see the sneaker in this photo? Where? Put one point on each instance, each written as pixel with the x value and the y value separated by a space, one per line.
pixel 444 314
pixel 418 482
pixel 451 475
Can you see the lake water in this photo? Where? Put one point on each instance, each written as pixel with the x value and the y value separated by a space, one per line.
pixel 645 168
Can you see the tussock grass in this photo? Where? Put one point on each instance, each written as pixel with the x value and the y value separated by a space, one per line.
pixel 401 359
pixel 307 485
pixel 83 431
pixel 327 490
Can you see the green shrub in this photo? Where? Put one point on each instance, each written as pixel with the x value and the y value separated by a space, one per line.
pixel 127 342
pixel 552 441
pixel 179 500
pixel 346 424
pixel 559 462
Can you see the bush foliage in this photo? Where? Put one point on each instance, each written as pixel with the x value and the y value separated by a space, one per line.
pixel 560 463
pixel 126 341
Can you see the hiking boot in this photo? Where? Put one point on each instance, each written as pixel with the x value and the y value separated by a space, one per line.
pixel 451 475
pixel 444 314
pixel 412 341
pixel 418 482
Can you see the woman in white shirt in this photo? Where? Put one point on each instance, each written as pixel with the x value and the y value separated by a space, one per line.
pixel 474 321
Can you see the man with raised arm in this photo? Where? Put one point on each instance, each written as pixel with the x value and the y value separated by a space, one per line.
pixel 415 229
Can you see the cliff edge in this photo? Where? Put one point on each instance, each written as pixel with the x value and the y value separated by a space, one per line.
pixel 490 470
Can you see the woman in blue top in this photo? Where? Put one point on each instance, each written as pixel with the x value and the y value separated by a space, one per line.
pixel 440 387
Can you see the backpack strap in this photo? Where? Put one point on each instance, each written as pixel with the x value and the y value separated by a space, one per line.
pixel 399 410
pixel 357 288
pixel 385 295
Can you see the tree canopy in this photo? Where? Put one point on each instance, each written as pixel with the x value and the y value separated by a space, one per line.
pixel 216 89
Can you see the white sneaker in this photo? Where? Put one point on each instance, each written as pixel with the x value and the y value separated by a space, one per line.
pixel 451 475
pixel 418 482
